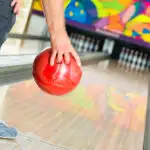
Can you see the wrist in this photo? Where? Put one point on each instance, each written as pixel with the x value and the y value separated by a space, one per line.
pixel 58 34
pixel 56 27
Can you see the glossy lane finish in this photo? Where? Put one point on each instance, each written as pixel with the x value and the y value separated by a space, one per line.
pixel 106 111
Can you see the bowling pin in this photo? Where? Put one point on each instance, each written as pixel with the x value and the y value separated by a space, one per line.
pixel 106 46
pixel 139 62
pixel 148 65
pixel 121 56
pixel 91 45
pixel 70 37
pixel 74 36
pixel 111 46
pixel 143 66
pixel 134 61
pixel 96 45
pixel 80 43
pixel 86 44
pixel 125 58
pixel 130 60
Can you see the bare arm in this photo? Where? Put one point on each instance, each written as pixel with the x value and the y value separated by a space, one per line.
pixel 54 13
pixel 61 45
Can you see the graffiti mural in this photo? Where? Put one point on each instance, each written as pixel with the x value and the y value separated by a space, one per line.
pixel 130 18
pixel 37 8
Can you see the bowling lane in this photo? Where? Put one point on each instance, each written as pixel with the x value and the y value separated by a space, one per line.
pixel 107 111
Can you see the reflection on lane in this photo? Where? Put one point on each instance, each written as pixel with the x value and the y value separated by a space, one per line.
pixel 106 111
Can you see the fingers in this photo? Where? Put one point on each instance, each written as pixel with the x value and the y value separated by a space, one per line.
pixel 67 58
pixel 16 9
pixel 59 55
pixel 53 57
pixel 13 3
pixel 16 5
pixel 75 55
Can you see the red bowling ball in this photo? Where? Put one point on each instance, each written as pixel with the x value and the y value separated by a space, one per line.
pixel 58 79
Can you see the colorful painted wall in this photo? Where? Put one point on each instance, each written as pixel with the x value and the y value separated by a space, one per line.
pixel 37 7
pixel 128 17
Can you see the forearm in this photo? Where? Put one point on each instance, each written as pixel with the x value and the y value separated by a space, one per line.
pixel 60 41
pixel 54 13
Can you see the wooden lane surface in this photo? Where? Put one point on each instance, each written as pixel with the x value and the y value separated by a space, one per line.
pixel 105 112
